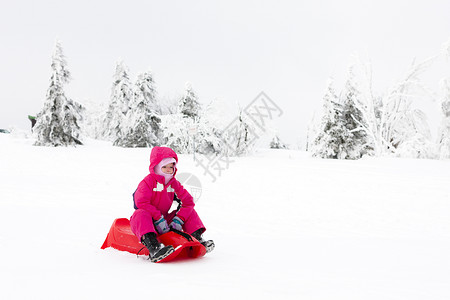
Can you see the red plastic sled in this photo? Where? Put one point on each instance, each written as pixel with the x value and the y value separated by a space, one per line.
pixel 121 237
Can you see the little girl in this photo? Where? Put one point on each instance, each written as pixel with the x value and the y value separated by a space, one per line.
pixel 152 201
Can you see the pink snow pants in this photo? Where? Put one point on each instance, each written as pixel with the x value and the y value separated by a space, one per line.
pixel 141 222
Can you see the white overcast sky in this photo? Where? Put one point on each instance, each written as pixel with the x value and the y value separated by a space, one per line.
pixel 228 50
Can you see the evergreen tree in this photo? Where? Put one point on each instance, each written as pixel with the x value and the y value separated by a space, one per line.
pixel 189 106
pixel 330 137
pixel 57 123
pixel 177 127
pixel 142 128
pixel 119 104
pixel 176 133
pixel 276 143
pixel 355 138
pixel 444 132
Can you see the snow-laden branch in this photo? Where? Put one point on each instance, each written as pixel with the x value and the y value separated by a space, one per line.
pixel 383 117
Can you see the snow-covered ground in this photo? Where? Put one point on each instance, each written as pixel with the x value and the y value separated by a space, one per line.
pixel 286 226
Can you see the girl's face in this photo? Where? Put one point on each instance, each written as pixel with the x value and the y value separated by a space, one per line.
pixel 168 169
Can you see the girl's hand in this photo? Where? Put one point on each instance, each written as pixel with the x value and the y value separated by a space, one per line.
pixel 177 224
pixel 161 225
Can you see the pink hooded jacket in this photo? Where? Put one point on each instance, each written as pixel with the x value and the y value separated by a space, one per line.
pixel 156 197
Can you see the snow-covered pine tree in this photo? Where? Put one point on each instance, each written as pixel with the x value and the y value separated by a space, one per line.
pixel 119 104
pixel 142 126
pixel 189 106
pixel 57 123
pixel 176 126
pixel 329 139
pixel 176 133
pixel 276 143
pixel 356 142
pixel 444 130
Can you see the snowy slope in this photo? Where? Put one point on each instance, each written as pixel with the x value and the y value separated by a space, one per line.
pixel 286 226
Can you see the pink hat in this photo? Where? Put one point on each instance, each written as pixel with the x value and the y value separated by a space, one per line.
pixel 162 163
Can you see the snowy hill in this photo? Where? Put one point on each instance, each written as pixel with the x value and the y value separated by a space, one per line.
pixel 286 226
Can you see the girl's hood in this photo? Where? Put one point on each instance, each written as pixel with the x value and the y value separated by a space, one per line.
pixel 157 154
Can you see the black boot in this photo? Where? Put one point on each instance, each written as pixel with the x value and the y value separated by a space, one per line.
pixel 209 244
pixel 157 250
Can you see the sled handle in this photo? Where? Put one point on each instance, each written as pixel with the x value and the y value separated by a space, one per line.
pixel 183 234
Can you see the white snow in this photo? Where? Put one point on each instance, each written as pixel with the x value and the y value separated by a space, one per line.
pixel 286 226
